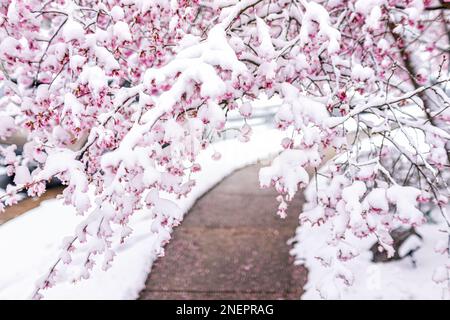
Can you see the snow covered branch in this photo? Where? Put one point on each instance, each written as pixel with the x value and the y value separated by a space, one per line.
pixel 117 99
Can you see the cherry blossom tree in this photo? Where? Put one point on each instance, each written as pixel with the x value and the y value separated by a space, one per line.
pixel 117 98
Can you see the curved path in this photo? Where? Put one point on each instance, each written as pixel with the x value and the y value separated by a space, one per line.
pixel 231 245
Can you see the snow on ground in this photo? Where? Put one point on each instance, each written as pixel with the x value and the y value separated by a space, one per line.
pixel 393 280
pixel 30 243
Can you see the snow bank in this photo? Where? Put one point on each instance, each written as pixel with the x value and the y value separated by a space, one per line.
pixel 393 280
pixel 30 243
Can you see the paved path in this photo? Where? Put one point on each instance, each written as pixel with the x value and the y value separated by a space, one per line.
pixel 231 245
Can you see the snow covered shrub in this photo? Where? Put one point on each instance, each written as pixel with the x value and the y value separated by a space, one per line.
pixel 144 85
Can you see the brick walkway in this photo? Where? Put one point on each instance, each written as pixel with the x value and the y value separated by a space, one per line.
pixel 231 245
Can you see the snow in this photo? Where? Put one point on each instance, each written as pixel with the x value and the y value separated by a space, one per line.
pixel 73 30
pixel 30 243
pixel 7 126
pixel 416 7
pixel 286 171
pixel 106 59
pixel 76 61
pixel 376 199
pixel 401 279
pixel 13 11
pixel 266 48
pixel 303 108
pixel 317 13
pixel 366 6
pixel 352 195
pixel 245 109
pixel 122 31
pixel 361 73
pixel 94 77
pixel 411 244
pixel 8 47
pixel 213 114
pixel 404 199
pixel 117 13
pixel 195 64
pixel 72 104
pixel 373 20
pixel 22 175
